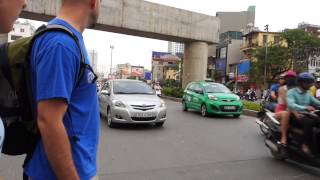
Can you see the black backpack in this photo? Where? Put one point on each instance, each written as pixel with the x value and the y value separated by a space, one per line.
pixel 16 100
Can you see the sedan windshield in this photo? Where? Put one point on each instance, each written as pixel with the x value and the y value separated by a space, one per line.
pixel 131 88
pixel 216 88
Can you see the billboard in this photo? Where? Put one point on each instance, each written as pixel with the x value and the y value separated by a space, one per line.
pixel 148 75
pixel 243 68
pixel 164 56
pixel 137 71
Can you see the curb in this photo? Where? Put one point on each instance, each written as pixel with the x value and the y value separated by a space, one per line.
pixel 250 113
pixel 245 112
pixel 172 98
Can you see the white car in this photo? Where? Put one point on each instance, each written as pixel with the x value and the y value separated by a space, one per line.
pixel 131 102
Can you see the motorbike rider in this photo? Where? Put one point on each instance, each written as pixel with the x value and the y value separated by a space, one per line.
pixel 300 100
pixel 281 111
pixel 274 89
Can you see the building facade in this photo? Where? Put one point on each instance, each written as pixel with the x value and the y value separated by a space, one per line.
pixel 175 48
pixel 314 61
pixel 310 28
pixel 21 29
pixel 223 60
pixel 236 21
pixel 93 57
pixel 255 38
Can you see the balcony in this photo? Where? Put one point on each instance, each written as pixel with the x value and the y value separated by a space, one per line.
pixel 248 46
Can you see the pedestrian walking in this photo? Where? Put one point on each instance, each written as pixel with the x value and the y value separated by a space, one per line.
pixel 67 109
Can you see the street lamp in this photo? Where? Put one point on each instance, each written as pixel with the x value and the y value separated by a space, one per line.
pixel 111 47
pixel 266 57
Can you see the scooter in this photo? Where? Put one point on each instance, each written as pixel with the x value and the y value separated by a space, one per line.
pixel 267 109
pixel 293 150
pixel 158 92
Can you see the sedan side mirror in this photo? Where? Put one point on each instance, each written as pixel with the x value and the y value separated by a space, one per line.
pixel 105 92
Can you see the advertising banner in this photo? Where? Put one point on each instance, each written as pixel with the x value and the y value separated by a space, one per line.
pixel 137 71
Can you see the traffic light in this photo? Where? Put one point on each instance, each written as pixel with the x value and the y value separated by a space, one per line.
pixel 266 27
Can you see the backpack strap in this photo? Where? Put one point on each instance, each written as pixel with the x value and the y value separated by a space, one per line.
pixel 59 28
pixel 4 63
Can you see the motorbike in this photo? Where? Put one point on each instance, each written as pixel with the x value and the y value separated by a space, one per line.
pixel 158 92
pixel 266 109
pixel 271 129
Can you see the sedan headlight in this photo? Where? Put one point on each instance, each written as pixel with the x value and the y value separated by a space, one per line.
pixel 163 104
pixel 212 97
pixel 118 103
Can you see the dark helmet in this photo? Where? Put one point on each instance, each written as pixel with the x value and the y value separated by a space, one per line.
pixel 305 77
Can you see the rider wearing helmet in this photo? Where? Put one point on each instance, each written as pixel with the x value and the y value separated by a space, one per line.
pixel 281 111
pixel 300 100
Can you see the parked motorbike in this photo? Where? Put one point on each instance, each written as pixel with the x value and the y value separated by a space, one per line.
pixel 271 129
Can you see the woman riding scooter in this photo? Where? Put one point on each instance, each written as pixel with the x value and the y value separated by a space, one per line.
pixel 282 113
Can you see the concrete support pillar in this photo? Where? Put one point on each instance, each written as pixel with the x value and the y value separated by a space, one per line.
pixel 195 62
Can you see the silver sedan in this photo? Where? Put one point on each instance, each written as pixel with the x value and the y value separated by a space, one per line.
pixel 131 102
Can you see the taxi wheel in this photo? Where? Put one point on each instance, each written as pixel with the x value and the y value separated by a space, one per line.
pixel 236 115
pixel 184 106
pixel 204 112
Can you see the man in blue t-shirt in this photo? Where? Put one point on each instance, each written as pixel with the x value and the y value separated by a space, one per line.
pixel 67 111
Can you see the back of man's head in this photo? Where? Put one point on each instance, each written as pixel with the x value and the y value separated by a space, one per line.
pixel 67 2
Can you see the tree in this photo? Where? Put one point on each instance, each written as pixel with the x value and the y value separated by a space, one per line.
pixel 276 63
pixel 301 46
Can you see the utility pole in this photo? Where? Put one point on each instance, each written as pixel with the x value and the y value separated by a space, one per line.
pixel 266 57
pixel 111 47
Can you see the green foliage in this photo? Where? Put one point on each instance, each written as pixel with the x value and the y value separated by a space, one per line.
pixel 298 38
pixel 251 105
pixel 276 63
pixel 301 46
pixel 172 92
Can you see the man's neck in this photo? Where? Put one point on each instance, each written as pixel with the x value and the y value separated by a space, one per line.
pixel 302 90
pixel 76 20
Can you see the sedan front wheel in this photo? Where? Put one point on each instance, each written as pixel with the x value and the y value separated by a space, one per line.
pixel 109 119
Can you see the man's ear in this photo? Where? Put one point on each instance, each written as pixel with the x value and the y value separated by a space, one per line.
pixel 93 3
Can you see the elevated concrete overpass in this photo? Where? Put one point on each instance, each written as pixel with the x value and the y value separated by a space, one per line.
pixel 146 19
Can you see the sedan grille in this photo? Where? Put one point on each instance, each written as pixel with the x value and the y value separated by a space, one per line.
pixel 143 118
pixel 143 107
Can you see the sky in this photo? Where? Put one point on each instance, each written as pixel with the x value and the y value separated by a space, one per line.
pixel 279 14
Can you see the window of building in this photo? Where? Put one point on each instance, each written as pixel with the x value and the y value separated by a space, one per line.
pixel 265 39
pixel 276 39
pixel 22 30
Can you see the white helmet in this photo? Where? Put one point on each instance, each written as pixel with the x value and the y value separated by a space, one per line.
pixel 1 135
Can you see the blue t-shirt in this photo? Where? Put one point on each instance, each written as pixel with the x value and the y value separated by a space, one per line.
pixel 275 88
pixel 55 64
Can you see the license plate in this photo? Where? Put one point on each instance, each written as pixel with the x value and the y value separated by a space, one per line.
pixel 229 107
pixel 143 114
